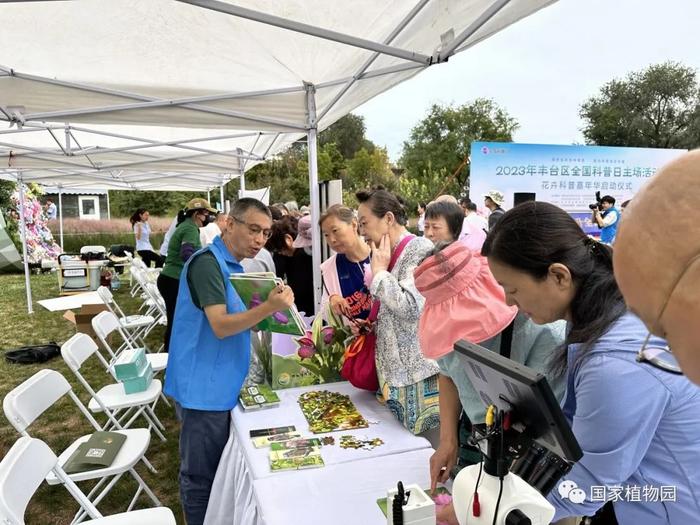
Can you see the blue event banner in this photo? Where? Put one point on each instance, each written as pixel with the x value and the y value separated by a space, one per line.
pixel 567 176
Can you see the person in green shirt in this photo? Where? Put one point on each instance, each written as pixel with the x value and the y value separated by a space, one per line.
pixel 183 243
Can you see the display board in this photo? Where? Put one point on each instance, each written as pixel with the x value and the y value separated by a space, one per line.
pixel 567 176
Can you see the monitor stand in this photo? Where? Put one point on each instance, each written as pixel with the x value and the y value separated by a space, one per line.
pixel 520 503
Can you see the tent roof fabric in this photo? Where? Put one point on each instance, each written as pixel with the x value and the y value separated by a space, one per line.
pixel 167 67
pixel 54 190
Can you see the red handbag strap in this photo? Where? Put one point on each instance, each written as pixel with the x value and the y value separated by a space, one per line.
pixel 374 312
pixel 399 250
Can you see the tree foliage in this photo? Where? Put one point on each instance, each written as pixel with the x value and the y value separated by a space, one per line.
pixel 348 134
pixel 441 142
pixel 123 203
pixel 343 153
pixel 658 107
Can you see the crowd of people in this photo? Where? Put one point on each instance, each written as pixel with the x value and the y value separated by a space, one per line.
pixel 526 283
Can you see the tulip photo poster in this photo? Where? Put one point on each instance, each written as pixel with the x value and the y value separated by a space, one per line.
pixel 253 289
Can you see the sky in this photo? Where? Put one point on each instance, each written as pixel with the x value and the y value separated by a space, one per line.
pixel 542 68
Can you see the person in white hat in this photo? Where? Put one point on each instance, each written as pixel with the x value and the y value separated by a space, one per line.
pixel 493 200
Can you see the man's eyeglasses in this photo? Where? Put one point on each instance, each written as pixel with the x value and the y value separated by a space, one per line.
pixel 254 229
pixel 658 357
pixel 663 358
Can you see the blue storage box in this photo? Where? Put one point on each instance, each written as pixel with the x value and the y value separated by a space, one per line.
pixel 139 383
pixel 130 364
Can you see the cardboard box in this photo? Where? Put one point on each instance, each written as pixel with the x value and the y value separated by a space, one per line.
pixel 82 319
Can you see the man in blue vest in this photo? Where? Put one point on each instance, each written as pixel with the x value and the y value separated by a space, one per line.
pixel 607 219
pixel 210 348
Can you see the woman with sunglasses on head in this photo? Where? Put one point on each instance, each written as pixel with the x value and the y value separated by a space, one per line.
pixel 638 424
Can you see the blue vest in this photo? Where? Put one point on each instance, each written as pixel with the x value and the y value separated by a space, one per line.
pixel 205 372
pixel 607 234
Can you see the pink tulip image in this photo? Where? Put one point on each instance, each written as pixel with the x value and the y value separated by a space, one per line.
pixel 280 317
pixel 306 352
pixel 306 340
pixel 255 300
pixel 328 333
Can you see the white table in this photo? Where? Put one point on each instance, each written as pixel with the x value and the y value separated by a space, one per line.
pixel 232 500
pixel 341 494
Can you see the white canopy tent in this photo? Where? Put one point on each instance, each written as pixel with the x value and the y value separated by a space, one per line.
pixel 286 67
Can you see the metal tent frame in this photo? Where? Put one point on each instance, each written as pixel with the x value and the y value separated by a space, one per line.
pixel 150 163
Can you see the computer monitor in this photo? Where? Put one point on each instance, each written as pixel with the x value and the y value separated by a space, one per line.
pixel 514 387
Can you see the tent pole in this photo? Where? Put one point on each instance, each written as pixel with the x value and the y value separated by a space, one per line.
pixel 314 193
pixel 221 196
pixel 242 181
pixel 60 215
pixel 23 230
pixel 109 212
pixel 208 196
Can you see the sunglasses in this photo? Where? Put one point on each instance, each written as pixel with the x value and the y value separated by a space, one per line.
pixel 658 357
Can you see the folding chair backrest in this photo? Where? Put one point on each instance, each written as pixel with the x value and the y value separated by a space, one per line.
pixel 93 249
pixel 108 300
pixel 75 352
pixel 104 324
pixel 105 294
pixel 78 349
pixel 22 471
pixel 24 403
pixel 27 401
pixel 154 293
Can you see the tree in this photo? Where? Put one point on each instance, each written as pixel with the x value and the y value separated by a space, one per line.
pixel 367 170
pixel 658 107
pixel 343 153
pixel 348 134
pixel 441 142
pixel 123 203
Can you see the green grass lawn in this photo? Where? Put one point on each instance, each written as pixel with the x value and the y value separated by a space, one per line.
pixel 63 423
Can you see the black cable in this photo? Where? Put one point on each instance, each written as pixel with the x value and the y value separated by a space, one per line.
pixel 498 502
pixel 478 478
pixel 499 461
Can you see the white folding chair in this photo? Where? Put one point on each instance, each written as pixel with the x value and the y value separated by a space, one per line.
pixel 22 471
pixel 105 324
pixel 111 399
pixel 26 402
pixel 136 326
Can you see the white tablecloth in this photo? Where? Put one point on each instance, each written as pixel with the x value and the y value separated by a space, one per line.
pixel 341 494
pixel 232 501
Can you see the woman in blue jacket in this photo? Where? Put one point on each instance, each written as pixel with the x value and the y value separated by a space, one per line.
pixel 638 425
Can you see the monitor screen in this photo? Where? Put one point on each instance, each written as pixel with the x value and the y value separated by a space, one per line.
pixel 512 386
